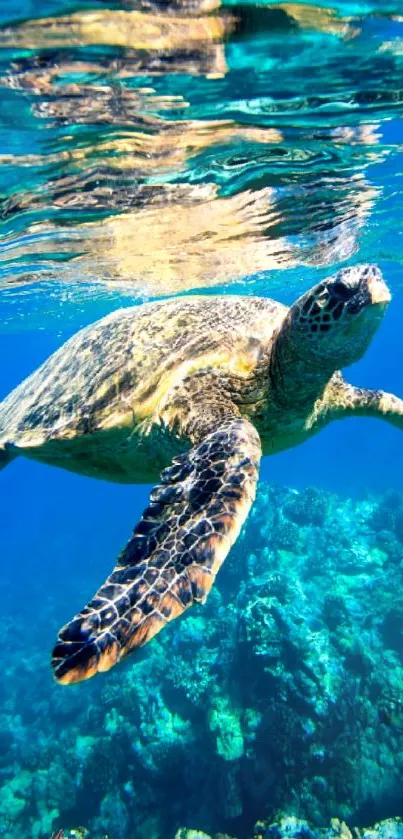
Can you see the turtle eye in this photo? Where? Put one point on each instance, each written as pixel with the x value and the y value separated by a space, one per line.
pixel 341 291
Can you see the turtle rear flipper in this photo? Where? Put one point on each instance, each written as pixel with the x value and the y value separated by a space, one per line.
pixel 173 556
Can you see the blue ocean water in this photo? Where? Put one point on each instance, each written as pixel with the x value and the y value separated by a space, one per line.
pixel 150 150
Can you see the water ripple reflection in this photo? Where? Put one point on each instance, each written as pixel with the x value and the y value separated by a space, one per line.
pixel 188 145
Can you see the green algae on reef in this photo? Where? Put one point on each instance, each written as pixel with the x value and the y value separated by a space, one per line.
pixel 282 693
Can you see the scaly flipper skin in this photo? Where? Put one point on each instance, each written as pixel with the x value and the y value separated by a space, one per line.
pixel 173 556
pixel 357 401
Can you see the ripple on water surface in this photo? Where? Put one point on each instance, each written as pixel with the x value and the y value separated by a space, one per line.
pixel 188 145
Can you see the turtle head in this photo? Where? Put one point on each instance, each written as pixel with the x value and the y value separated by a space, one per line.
pixel 335 321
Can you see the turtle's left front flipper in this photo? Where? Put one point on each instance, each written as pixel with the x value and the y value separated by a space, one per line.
pixel 173 556
pixel 358 401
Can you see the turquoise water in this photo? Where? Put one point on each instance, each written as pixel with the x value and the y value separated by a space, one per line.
pixel 149 151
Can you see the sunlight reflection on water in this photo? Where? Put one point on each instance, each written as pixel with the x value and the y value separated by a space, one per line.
pixel 190 147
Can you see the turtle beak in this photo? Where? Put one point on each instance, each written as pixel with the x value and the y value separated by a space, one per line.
pixel 377 288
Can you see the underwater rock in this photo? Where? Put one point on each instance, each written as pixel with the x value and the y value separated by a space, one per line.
pixel 191 834
pixel 6 744
pixel 306 507
pixel 292 827
pixel 286 535
pixel 224 722
pixel 113 816
pixel 392 629
pixel 183 833
pixel 14 798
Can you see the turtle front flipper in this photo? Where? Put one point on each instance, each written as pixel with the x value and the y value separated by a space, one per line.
pixel 348 400
pixel 173 556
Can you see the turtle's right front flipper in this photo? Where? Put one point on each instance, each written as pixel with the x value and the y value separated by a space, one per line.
pixel 174 554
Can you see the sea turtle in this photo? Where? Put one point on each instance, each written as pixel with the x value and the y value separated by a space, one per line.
pixel 197 389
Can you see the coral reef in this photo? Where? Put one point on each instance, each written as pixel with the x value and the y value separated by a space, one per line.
pixel 294 828
pixel 288 827
pixel 284 692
